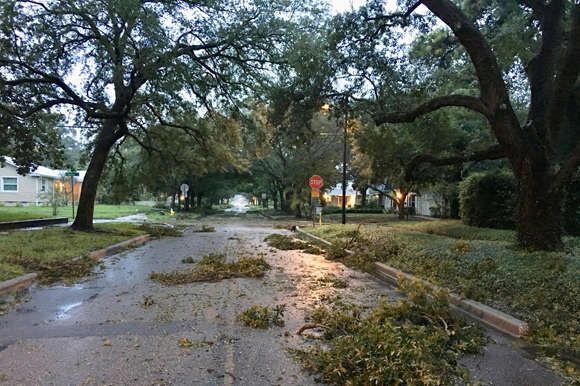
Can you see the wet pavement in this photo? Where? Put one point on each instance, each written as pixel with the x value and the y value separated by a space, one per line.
pixel 99 333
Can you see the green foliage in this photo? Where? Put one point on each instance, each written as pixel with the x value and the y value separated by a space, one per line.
pixel 336 209
pixel 213 268
pixel 538 287
pixel 487 200
pixel 416 343
pixel 261 317
pixel 572 207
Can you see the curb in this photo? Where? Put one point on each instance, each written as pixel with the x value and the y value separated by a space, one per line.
pixel 40 222
pixel 26 281
pixel 23 281
pixel 470 308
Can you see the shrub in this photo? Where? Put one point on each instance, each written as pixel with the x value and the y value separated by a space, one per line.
pixel 336 209
pixel 487 200
pixel 572 207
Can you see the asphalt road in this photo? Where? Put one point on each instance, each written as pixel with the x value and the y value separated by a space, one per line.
pixel 99 333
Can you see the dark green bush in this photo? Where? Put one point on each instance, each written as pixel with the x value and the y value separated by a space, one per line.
pixel 572 208
pixel 337 209
pixel 488 200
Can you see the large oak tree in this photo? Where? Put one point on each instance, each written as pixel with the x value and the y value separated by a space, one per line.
pixel 118 66
pixel 543 146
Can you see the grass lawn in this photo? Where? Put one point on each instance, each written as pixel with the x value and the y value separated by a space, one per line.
pixel 54 245
pixel 456 229
pixel 542 288
pixel 13 213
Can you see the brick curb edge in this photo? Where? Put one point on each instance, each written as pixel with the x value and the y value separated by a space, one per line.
pixel 25 281
pixel 470 308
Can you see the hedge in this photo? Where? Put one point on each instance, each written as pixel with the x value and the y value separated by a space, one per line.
pixel 487 200
pixel 333 210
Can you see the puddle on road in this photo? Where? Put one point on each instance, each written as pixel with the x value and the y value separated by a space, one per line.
pixel 62 312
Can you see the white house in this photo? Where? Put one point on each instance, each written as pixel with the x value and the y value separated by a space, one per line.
pixel 28 190
pixel 421 202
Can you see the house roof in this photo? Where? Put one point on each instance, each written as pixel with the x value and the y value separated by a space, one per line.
pixel 42 171
pixel 338 192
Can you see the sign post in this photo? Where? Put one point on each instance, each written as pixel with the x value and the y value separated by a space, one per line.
pixel 264 201
pixel 316 183
pixel 184 190
pixel 72 174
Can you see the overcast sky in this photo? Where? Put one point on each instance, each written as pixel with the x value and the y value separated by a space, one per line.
pixel 344 5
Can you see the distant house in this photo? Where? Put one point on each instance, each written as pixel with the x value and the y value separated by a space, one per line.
pixel 30 189
pixel 421 202
pixel 334 197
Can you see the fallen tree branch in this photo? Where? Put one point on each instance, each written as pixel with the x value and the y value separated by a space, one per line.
pixel 309 327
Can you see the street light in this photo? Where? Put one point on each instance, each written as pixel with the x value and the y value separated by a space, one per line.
pixel 326 107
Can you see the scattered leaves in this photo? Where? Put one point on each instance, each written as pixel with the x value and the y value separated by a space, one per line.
pixel 147 301
pixel 336 281
pixel 260 317
pixel 416 343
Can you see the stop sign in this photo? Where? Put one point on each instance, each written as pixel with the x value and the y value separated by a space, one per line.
pixel 315 182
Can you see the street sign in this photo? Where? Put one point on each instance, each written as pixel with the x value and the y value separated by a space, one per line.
pixel 263 195
pixel 71 174
pixel 184 189
pixel 315 183
pixel 315 193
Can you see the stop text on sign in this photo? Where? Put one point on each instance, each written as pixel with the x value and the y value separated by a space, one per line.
pixel 316 182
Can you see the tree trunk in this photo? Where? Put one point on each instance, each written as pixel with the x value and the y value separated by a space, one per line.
pixel 282 200
pixel 539 223
pixel 110 134
pixel 401 208
pixel 363 193
pixel 298 211
pixel 275 199
pixel 199 196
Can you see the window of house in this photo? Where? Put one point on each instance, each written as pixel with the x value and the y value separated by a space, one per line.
pixel 43 185
pixel 413 201
pixel 10 184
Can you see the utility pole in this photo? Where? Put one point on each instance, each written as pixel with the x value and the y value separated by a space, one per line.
pixel 344 168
